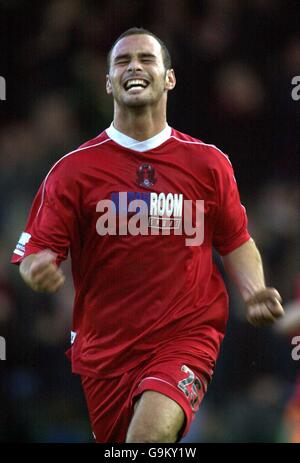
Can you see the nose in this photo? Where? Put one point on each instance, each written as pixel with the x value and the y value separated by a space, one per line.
pixel 134 65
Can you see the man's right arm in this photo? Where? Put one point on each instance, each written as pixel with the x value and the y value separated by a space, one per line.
pixel 40 272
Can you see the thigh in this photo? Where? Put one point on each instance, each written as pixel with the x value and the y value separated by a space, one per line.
pixel 166 395
pixel 157 418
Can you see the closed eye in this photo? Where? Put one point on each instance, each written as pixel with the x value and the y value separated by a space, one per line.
pixel 143 57
pixel 147 60
pixel 122 61
pixel 147 57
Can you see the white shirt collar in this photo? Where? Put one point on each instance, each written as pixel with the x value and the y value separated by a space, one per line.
pixel 136 145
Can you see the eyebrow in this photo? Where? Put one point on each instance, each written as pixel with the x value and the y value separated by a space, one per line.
pixel 128 56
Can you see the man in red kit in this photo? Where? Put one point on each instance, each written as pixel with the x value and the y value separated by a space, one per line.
pixel 150 307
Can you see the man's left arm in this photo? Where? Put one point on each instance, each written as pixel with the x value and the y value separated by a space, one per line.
pixel 244 266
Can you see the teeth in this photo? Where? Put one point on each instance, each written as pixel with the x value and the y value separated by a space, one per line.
pixel 136 82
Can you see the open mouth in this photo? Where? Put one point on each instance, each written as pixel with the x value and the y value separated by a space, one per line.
pixel 135 84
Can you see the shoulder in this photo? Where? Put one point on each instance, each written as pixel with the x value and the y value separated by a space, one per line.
pixel 95 142
pixel 209 153
pixel 72 163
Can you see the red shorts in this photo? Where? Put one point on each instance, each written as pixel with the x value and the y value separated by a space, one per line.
pixel 111 401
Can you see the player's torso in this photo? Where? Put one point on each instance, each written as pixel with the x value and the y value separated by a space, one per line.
pixel 136 217
pixel 129 193
pixel 145 216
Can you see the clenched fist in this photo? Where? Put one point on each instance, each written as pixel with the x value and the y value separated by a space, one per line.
pixel 264 307
pixel 41 273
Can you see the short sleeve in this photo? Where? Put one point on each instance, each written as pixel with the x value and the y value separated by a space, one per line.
pixel 51 222
pixel 230 230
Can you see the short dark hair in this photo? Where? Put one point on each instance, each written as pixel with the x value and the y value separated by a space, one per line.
pixel 141 31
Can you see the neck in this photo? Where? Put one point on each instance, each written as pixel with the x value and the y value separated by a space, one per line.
pixel 139 123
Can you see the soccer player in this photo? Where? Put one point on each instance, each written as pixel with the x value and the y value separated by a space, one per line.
pixel 150 307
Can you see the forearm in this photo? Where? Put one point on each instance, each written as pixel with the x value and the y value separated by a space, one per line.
pixel 244 267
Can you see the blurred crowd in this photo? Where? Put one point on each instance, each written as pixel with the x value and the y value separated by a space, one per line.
pixel 234 62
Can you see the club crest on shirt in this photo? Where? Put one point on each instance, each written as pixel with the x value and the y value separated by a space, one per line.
pixel 145 176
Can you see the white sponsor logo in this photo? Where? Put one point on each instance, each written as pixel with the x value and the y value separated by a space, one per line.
pixel 159 215
pixel 170 204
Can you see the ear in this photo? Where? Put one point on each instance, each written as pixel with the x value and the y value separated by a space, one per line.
pixel 108 85
pixel 170 79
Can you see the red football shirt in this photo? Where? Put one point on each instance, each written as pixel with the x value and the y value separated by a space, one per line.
pixel 137 293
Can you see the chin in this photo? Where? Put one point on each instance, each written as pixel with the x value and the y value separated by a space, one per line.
pixel 136 102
